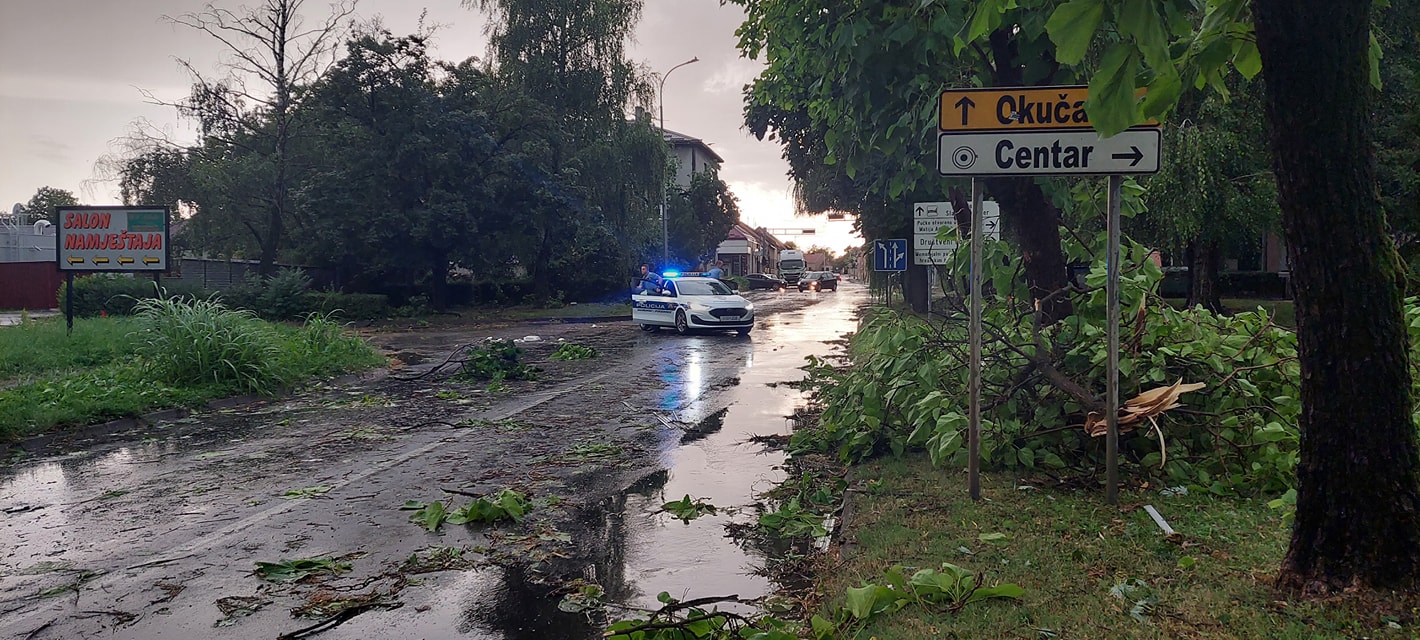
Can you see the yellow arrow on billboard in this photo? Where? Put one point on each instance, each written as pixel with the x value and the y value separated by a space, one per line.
pixel 75 260
pixel 150 260
pixel 124 260
pixel 100 260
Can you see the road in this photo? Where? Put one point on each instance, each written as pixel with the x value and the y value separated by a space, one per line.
pixel 154 532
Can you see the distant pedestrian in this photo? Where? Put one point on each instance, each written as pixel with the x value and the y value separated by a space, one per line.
pixel 716 271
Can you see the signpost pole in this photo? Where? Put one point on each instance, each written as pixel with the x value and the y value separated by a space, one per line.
pixel 974 426
pixel 69 303
pixel 1111 450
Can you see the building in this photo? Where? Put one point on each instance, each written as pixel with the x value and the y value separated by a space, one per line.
pixel 28 268
pixel 692 155
pixel 747 250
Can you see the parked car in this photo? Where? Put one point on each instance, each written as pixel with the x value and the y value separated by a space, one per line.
pixel 818 281
pixel 690 303
pixel 764 281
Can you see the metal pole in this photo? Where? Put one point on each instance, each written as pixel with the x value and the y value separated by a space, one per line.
pixel 1111 442
pixel 69 303
pixel 974 426
pixel 665 224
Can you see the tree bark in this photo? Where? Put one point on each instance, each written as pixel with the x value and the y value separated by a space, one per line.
pixel 1023 203
pixel 1204 261
pixel 1358 497
pixel 1037 225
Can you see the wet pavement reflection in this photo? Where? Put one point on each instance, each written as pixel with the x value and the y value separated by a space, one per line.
pixel 63 514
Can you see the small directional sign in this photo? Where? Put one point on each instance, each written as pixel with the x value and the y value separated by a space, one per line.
pixel 890 255
pixel 1017 153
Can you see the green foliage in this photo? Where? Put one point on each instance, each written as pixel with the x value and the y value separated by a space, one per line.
pixel 496 360
pixel 45 199
pixel 107 294
pixel 507 504
pixel 687 509
pixel 204 342
pixel 570 351
pixel 949 587
pixel 101 373
pixel 351 306
pixel 907 386
pixel 689 620
pixel 792 520
pixel 287 571
pixel 38 347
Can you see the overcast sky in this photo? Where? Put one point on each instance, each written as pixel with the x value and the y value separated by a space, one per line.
pixel 71 73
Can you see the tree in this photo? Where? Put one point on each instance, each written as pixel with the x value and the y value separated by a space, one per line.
pixel 1215 193
pixel 1358 495
pixel 412 165
pixel 252 130
pixel 602 174
pixel 45 199
pixel 852 95
pixel 701 215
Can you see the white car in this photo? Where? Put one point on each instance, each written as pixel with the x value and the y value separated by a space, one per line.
pixel 691 303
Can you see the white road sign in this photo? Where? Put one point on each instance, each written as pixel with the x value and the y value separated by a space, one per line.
pixel 1019 153
pixel 931 210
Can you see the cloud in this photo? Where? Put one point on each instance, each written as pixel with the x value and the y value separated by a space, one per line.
pixel 82 89
pixel 732 76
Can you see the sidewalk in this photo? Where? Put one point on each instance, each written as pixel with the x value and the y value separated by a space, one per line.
pixel 8 318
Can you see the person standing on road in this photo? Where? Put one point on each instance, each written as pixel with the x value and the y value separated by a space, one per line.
pixel 716 271
pixel 649 282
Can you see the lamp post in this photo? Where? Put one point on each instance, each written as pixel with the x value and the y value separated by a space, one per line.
pixel 665 226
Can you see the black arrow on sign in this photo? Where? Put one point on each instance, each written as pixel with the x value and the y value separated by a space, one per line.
pixel 1137 156
pixel 965 104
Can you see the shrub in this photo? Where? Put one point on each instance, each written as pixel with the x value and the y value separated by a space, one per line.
pixel 193 343
pixel 110 293
pixel 350 306
pixel 283 295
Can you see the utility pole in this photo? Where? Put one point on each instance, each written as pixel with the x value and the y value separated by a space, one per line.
pixel 665 226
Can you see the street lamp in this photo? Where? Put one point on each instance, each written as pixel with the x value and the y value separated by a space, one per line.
pixel 665 226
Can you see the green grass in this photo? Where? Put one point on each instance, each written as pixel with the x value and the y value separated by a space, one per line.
pixel 1068 549
pixel 119 367
pixel 38 347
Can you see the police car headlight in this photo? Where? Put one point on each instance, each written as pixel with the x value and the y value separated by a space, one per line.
pixel 749 306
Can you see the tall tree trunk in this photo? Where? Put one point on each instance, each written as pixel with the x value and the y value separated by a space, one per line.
pixel 1358 497
pixel 1205 259
pixel 1023 204
pixel 1037 225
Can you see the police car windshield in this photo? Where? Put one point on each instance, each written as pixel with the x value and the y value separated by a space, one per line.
pixel 702 288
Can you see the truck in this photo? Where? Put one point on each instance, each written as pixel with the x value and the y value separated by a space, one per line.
pixel 791 266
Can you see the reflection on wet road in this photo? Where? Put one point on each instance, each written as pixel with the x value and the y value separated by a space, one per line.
pixel 139 535
pixel 715 460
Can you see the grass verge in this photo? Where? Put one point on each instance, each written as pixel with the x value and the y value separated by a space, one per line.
pixel 114 367
pixel 1089 570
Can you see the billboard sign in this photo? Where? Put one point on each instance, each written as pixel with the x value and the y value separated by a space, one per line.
pixel 113 238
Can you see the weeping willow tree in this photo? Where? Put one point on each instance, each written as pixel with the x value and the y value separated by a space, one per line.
pixel 601 174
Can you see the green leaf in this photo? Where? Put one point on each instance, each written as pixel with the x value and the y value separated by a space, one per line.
pixel 861 599
pixel 1072 27
pixel 1007 590
pixel 1111 105
pixel 994 538
pixel 987 17
pixel 1248 61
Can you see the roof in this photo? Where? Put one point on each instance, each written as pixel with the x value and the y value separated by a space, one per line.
pixel 681 140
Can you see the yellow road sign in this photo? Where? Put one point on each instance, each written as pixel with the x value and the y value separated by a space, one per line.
pixel 1015 109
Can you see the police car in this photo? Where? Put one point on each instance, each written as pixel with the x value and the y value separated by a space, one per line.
pixel 688 303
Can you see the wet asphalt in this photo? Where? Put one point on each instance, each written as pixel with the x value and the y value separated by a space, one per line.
pixel 153 532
